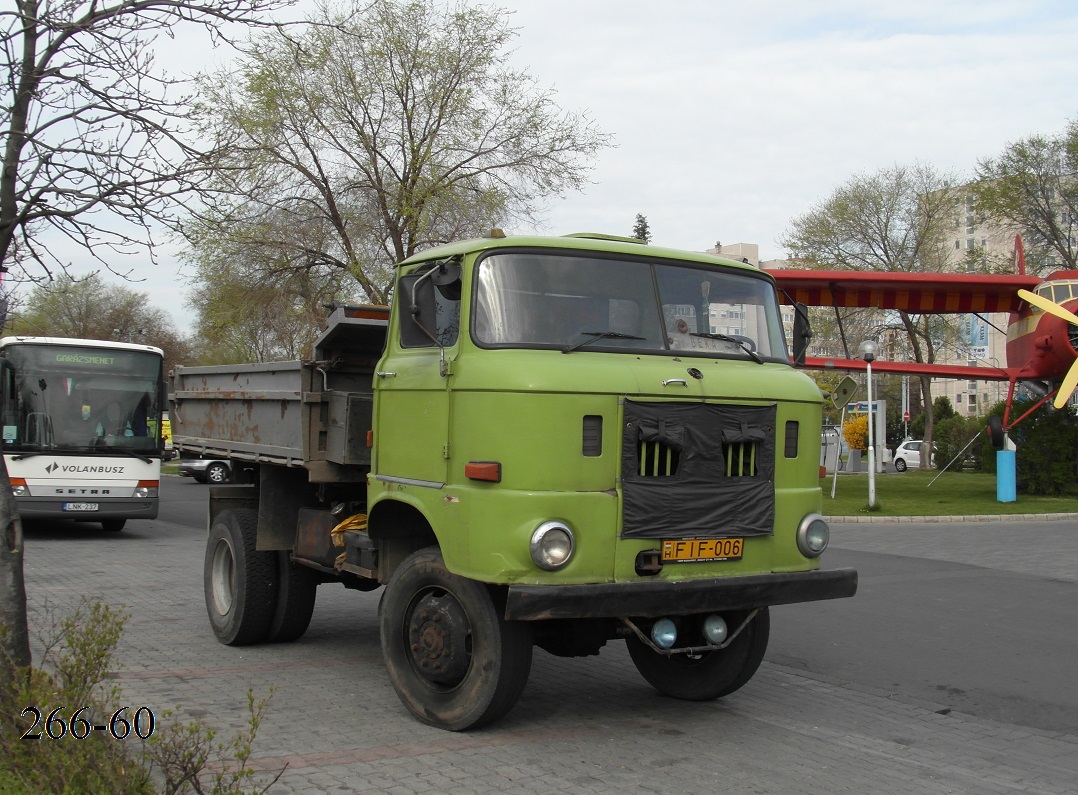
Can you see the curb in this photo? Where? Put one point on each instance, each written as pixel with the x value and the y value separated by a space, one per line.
pixel 1014 517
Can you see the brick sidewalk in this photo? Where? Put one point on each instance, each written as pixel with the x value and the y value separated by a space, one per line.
pixel 583 725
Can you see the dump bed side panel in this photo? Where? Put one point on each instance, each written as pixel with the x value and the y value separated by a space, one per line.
pixel 250 412
pixel 311 414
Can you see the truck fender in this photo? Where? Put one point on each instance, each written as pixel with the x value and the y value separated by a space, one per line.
pixel 399 528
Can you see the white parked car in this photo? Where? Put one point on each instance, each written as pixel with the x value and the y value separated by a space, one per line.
pixel 908 455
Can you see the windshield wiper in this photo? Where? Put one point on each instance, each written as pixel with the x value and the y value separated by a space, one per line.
pixel 122 451
pixel 711 335
pixel 140 456
pixel 598 335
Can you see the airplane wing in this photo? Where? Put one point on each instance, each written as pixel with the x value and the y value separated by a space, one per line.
pixel 907 368
pixel 917 293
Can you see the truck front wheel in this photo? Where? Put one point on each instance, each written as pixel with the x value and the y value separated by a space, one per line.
pixel 710 674
pixel 454 662
pixel 240 583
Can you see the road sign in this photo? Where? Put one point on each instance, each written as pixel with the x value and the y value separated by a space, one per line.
pixel 844 392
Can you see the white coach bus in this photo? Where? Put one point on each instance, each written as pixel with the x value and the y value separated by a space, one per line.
pixel 82 428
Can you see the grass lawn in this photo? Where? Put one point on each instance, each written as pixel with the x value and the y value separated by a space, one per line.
pixel 954 494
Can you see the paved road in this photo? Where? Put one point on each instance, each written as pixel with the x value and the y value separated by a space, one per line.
pixel 583 725
pixel 976 617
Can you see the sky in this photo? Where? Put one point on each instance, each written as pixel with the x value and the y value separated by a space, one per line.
pixel 731 118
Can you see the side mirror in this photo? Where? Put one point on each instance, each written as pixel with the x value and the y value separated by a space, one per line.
pixel 427 292
pixel 802 333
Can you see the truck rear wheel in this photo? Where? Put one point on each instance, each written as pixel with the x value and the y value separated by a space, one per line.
pixel 712 674
pixel 240 583
pixel 454 662
pixel 296 592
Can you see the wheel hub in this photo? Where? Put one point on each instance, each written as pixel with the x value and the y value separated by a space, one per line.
pixel 438 635
pixel 223 577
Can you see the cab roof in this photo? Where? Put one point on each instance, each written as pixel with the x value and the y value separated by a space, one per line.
pixel 581 241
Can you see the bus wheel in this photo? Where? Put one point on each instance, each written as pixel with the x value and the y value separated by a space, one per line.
pixel 712 674
pixel 113 525
pixel 454 662
pixel 240 583
pixel 296 592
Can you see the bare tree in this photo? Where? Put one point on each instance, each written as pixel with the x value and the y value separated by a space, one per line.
pixel 1033 186
pixel 378 132
pixel 90 308
pixel 94 155
pixel 894 220
pixel 246 315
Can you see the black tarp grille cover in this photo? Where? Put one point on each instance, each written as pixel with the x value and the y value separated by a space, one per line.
pixel 702 470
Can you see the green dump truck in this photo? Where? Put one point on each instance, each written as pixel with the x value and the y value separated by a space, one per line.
pixel 553 442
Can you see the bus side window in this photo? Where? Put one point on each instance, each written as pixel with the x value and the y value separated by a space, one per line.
pixel 8 418
pixel 138 419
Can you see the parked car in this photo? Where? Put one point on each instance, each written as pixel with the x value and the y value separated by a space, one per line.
pixel 908 454
pixel 206 470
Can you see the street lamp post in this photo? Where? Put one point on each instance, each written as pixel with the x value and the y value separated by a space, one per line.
pixel 868 353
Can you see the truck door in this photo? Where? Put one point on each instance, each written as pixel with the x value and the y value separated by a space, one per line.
pixel 412 382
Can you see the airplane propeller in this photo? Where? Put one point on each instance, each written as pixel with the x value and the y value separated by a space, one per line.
pixel 1070 381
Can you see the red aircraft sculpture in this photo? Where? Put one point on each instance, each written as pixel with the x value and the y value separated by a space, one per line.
pixel 1042 333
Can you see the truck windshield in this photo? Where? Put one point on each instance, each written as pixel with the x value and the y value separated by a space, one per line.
pixel 577 302
pixel 73 398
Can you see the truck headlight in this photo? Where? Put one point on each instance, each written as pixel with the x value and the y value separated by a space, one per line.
pixel 813 535
pixel 552 545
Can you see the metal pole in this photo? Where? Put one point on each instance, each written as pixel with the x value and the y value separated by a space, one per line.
pixel 871 443
pixel 838 464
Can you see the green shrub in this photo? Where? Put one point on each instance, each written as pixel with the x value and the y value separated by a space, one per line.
pixel 76 660
pixel 958 437
pixel 65 696
pixel 189 757
pixel 1047 449
pixel 1047 458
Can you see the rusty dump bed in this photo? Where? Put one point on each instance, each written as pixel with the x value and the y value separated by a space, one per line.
pixel 313 414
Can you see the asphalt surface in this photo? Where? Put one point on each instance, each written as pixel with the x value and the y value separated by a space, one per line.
pixel 335 725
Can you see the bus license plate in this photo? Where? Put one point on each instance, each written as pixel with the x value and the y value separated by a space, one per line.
pixel 80 506
pixel 695 550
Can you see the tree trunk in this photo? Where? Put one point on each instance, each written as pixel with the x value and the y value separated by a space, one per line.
pixel 930 423
pixel 14 630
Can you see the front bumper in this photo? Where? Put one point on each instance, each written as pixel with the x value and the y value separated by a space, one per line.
pixel 664 598
pixel 51 508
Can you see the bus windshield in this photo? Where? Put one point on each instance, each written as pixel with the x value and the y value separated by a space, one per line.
pixel 76 398
pixel 576 302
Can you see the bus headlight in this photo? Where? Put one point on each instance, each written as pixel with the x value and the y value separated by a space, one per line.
pixel 813 535
pixel 146 488
pixel 552 545
pixel 19 487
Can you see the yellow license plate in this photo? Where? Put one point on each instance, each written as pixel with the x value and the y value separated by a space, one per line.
pixel 703 549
